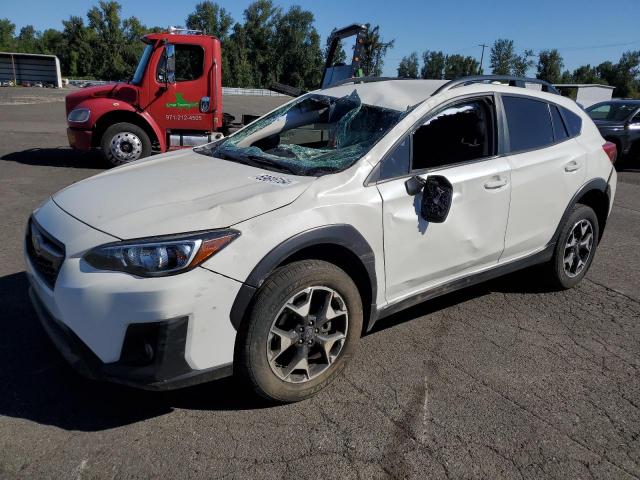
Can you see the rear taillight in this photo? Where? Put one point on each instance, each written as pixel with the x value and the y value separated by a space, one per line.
pixel 611 150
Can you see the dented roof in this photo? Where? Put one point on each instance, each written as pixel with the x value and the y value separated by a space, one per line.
pixel 393 94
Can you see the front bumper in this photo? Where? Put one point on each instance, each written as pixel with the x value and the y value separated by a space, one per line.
pixel 155 333
pixel 79 139
pixel 152 359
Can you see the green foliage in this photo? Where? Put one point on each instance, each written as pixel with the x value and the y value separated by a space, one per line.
pixel 408 67
pixel 374 51
pixel 211 19
pixel 550 65
pixel 434 64
pixel 7 32
pixel 501 59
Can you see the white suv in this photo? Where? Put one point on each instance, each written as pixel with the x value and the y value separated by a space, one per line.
pixel 270 252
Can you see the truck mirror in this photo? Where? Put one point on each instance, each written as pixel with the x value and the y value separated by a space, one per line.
pixel 170 63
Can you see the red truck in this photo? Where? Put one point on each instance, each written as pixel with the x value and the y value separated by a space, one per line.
pixel 174 99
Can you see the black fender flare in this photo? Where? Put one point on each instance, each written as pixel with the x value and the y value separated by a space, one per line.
pixel 599 184
pixel 343 235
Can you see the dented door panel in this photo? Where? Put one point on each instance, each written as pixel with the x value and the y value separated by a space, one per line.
pixel 419 254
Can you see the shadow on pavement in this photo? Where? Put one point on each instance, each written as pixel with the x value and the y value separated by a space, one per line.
pixel 36 384
pixel 57 157
pixel 530 280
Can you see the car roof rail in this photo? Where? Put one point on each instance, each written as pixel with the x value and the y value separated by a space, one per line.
pixel 509 79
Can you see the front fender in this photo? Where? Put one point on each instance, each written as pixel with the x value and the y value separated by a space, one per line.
pixel 100 107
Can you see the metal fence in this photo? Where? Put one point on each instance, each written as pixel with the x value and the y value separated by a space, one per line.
pixel 260 92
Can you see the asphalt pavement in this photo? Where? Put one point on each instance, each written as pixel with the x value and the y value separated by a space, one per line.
pixel 502 380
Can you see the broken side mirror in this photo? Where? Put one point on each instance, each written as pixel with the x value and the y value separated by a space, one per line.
pixel 437 195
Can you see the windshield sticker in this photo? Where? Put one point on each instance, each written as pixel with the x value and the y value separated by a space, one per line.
pixel 181 103
pixel 279 181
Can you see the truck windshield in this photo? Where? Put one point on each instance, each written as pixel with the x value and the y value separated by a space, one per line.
pixel 142 65
pixel 312 136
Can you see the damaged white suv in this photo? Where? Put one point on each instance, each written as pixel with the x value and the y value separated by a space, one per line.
pixel 269 253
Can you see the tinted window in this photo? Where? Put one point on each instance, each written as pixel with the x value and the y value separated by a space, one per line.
pixel 457 134
pixel 617 112
pixel 189 63
pixel 397 162
pixel 559 130
pixel 573 122
pixel 529 123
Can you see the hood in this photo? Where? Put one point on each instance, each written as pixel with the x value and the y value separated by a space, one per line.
pixel 122 91
pixel 177 192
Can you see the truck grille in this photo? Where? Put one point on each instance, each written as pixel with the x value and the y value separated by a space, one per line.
pixel 45 252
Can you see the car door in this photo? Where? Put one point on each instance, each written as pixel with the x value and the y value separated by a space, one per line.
pixel 548 167
pixel 175 103
pixel 458 142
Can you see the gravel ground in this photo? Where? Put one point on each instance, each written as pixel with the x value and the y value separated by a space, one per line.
pixel 502 380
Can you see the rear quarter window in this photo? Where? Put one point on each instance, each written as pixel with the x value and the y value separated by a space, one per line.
pixel 529 123
pixel 573 122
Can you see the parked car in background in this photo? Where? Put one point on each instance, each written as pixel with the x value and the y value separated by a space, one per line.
pixel 268 253
pixel 619 122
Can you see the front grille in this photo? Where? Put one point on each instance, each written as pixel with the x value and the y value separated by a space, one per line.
pixel 45 252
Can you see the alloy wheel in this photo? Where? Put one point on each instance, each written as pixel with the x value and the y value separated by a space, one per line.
pixel 308 334
pixel 578 248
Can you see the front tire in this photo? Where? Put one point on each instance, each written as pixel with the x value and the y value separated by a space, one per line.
pixel 124 143
pixel 301 331
pixel 576 247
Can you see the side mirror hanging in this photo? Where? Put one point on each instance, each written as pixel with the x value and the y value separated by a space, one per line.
pixel 437 195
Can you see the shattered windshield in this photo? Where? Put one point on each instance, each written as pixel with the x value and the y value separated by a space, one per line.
pixel 313 136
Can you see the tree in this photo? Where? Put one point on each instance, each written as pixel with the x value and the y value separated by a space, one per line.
pixel 239 73
pixel 460 66
pixel 520 64
pixel 7 32
pixel 52 42
pixel 550 65
pixel 586 74
pixel 211 19
pixel 339 56
pixel 28 40
pixel 501 59
pixel 77 58
pixel 373 51
pixel 433 65
pixel 297 54
pixel 260 18
pixel 408 67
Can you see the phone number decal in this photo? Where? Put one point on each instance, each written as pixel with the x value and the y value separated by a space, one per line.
pixel 183 117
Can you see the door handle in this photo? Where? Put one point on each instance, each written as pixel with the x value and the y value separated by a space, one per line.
pixel 571 166
pixel 497 182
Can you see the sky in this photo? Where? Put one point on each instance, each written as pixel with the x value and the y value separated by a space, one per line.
pixel 585 32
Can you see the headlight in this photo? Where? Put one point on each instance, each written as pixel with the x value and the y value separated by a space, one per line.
pixel 79 115
pixel 159 256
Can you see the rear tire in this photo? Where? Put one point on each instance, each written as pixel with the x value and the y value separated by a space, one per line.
pixel 124 143
pixel 301 332
pixel 576 248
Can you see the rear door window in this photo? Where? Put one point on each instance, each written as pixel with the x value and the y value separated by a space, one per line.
pixel 529 123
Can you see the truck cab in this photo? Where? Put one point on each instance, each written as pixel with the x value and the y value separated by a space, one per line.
pixel 173 100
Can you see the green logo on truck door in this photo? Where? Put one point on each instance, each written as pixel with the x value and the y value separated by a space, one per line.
pixel 182 103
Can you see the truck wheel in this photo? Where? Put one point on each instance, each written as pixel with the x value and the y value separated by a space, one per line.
pixel 123 143
pixel 576 248
pixel 301 331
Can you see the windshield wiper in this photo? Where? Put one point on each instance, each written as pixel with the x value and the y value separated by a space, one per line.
pixel 253 160
pixel 258 161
